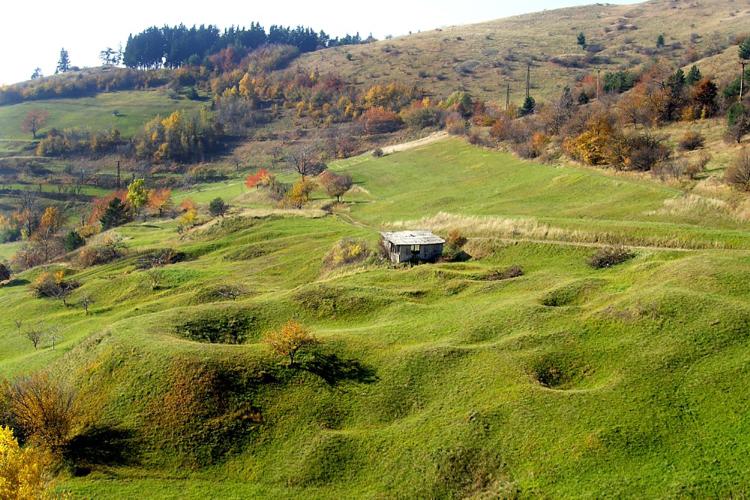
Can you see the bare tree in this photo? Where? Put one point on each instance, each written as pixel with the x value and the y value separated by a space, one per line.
pixel 277 154
pixel 86 302
pixel 306 160
pixel 61 292
pixel 35 335
pixel 55 337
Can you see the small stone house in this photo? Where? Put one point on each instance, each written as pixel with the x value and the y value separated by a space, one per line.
pixel 413 246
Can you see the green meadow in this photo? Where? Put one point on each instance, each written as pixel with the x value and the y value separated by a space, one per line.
pixel 432 381
pixel 96 113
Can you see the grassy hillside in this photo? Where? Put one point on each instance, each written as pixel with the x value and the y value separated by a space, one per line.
pixel 484 58
pixel 435 380
pixel 93 113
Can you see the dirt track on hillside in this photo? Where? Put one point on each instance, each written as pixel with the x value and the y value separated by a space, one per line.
pixel 405 146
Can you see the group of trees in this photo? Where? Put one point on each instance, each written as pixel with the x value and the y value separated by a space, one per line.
pixel 81 84
pixel 307 161
pixel 180 137
pixel 40 228
pixel 75 141
pixel 175 46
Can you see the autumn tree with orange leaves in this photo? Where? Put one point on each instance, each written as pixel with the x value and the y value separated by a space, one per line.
pixel 260 178
pixel 160 200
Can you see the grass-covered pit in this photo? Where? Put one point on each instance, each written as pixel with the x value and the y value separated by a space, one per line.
pixel 457 369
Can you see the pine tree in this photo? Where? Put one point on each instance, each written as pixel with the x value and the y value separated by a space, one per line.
pixel 582 40
pixel 115 215
pixel 63 64
pixel 37 74
pixel 529 104
pixel 745 49
pixel 660 42
pixel 693 76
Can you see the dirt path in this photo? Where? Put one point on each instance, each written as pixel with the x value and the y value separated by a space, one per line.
pixel 405 146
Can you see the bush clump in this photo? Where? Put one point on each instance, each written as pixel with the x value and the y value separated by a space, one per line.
pixel 159 258
pixel 691 141
pixel 53 285
pixel 610 256
pixel 110 249
pixel 453 249
pixel 4 272
pixel 39 409
pixel 73 240
pixel 346 252
pixel 738 173
pixel 219 293
pixel 217 327
pixel 504 274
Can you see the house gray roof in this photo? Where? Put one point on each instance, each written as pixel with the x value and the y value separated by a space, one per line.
pixel 412 238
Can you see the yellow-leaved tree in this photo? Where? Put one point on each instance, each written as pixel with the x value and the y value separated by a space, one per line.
pixel 289 340
pixel 23 471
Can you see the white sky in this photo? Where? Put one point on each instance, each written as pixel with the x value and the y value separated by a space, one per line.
pixel 32 32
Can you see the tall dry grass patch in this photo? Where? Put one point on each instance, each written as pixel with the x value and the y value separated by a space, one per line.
pixel 528 228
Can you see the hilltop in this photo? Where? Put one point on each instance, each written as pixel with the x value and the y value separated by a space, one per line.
pixel 483 58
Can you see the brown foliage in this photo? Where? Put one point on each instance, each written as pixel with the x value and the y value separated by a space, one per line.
pixel 159 200
pixel 40 409
pixel 379 120
pixel 691 141
pixel 94 255
pixel 336 185
pixel 738 173
pixel 610 256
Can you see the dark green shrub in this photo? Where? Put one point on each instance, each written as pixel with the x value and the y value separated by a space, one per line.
pixel 504 274
pixel 72 241
pixel 4 272
pixel 218 327
pixel 217 207
pixel 159 258
pixel 610 256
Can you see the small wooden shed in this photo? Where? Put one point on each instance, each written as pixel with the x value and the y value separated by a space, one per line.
pixel 413 246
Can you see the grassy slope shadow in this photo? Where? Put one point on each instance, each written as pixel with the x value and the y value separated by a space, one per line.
pixel 334 369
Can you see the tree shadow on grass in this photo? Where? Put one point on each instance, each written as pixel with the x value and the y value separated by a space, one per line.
pixel 334 370
pixel 101 445
pixel 16 282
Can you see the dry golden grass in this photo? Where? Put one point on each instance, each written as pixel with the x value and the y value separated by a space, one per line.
pixel 496 52
pixel 497 229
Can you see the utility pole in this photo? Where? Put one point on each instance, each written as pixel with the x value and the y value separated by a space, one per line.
pixel 598 81
pixel 118 174
pixel 743 63
pixel 507 99
pixel 528 80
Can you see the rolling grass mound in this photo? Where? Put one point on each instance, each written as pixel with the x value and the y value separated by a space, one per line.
pixel 430 381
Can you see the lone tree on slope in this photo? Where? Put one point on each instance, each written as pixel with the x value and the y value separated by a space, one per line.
pixel 63 63
pixel 582 40
pixel 34 120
